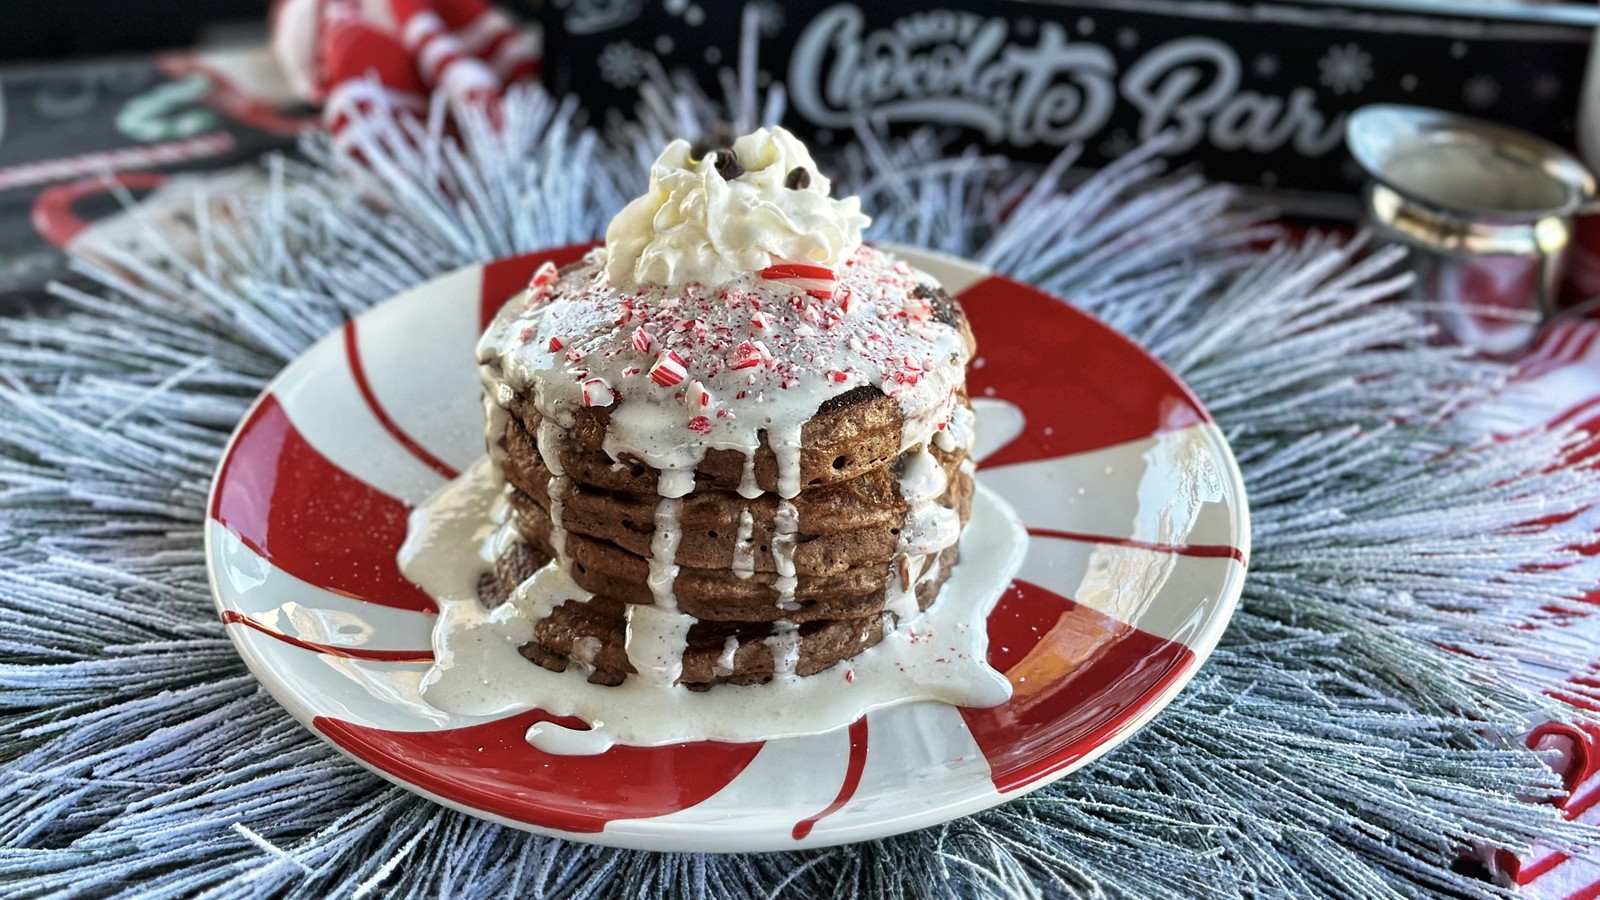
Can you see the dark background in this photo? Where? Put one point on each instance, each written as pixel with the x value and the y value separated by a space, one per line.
pixel 50 29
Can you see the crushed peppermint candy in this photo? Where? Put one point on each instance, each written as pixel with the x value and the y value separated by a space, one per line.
pixel 749 354
pixel 817 281
pixel 698 395
pixel 556 345
pixel 541 284
pixel 669 369
pixel 642 341
pixel 756 353
pixel 597 392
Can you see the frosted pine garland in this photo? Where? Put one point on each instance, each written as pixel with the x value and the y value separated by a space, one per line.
pixel 1329 749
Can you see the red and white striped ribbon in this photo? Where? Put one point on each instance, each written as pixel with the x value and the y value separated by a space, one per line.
pixel 442 61
pixel 368 70
pixel 467 49
pixel 491 35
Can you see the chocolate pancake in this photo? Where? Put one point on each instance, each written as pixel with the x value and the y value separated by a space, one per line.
pixel 720 594
pixel 841 525
pixel 852 434
pixel 592 634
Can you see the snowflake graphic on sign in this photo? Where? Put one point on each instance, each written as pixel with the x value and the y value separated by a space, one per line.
pixel 1345 68
pixel 621 64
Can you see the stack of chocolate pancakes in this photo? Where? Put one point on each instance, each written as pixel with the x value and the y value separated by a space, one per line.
pixel 775 585
pixel 733 440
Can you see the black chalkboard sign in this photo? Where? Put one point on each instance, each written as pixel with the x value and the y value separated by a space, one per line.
pixel 1255 93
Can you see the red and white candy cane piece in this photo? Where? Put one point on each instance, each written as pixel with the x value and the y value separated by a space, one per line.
pixel 749 354
pixel 700 425
pixel 917 308
pixel 838 377
pixel 761 321
pixel 543 277
pixel 643 340
pixel 818 281
pixel 556 345
pixel 698 396
pixel 669 369
pixel 597 392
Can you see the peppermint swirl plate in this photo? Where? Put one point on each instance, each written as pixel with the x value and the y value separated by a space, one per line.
pixel 1138 540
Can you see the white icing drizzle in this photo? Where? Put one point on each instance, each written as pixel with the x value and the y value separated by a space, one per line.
pixel 495 418
pixel 505 534
pixel 929 529
pixel 558 532
pixel 657 634
pixel 664 553
pixel 785 529
pixel 676 482
pixel 744 545
pixel 584 651
pixel 562 741
pixel 785 444
pixel 784 645
pixel 724 663
pixel 655 641
pixel 922 479
pixel 748 488
pixel 548 440
pixel 479 671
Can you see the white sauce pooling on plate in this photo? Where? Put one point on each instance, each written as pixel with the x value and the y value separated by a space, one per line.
pixel 479 671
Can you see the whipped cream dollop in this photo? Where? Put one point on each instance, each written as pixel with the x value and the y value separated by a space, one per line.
pixel 695 225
